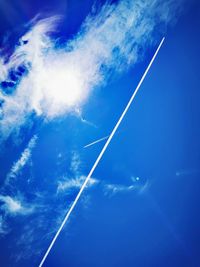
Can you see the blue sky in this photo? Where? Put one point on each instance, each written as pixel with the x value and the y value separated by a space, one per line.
pixel 64 86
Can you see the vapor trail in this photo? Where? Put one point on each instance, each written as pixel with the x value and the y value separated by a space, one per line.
pixel 100 155
pixel 97 141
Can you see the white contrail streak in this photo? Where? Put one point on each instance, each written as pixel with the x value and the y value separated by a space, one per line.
pixel 100 155
pixel 97 141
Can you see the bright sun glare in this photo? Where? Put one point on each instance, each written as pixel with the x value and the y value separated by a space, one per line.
pixel 62 89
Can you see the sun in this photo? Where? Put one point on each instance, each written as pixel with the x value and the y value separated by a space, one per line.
pixel 62 90
pixel 64 87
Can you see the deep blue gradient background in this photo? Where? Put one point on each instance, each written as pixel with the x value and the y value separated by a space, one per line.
pixel 158 141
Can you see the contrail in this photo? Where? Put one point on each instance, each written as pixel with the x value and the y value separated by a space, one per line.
pixel 97 141
pixel 100 155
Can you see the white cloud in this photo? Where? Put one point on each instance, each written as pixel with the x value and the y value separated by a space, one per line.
pixel 3 227
pixel 13 206
pixel 60 79
pixel 117 188
pixel 136 185
pixel 68 184
pixel 24 158
pixel 75 162
pixel 96 141
pixel 10 205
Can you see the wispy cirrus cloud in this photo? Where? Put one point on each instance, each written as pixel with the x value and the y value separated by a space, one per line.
pixel 112 189
pixel 22 161
pixel 136 185
pixel 68 184
pixel 38 205
pixel 14 206
pixel 75 162
pixel 51 80
pixel 12 201
pixel 3 226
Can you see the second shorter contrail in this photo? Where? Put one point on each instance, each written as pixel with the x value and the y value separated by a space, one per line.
pixel 100 155
pixel 97 141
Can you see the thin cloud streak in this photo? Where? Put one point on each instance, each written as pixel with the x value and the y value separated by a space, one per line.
pixel 22 161
pixel 97 141
pixel 67 183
